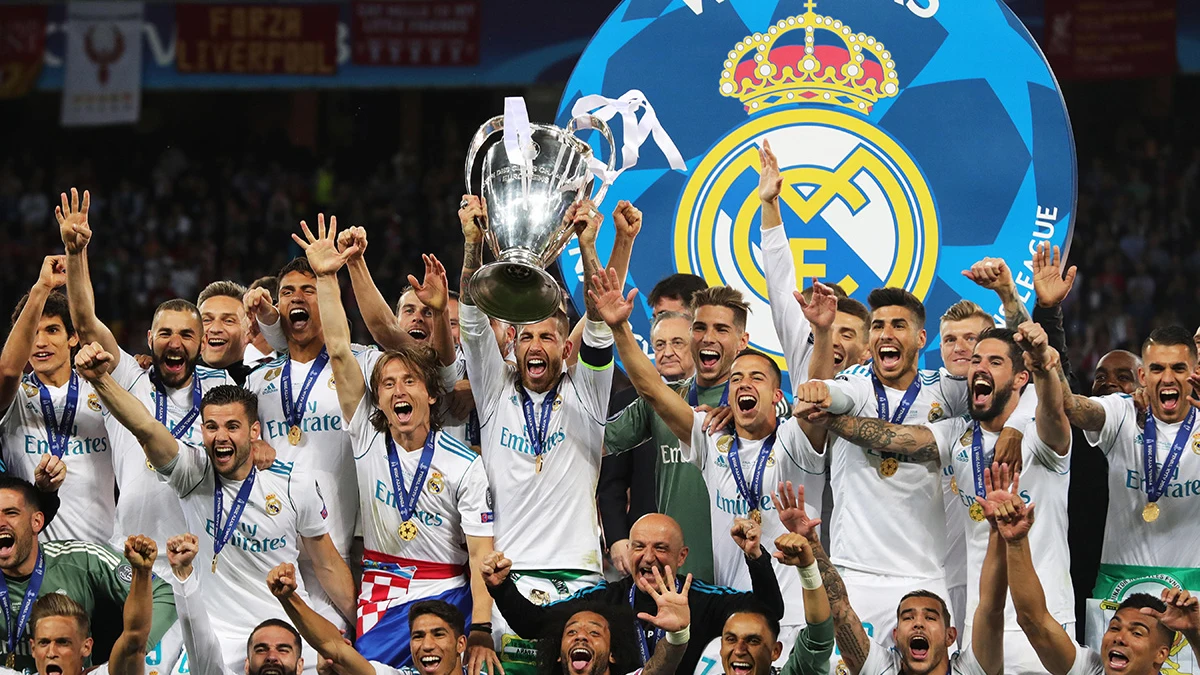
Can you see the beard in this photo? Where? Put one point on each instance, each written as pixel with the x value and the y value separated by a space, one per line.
pixel 1000 398
pixel 174 380
pixel 275 669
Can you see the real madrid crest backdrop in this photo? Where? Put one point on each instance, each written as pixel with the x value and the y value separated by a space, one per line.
pixel 914 137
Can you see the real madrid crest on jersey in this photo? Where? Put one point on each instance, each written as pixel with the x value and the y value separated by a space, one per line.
pixel 332 384
pixel 93 402
pixel 274 506
pixel 935 411
pixel 723 443
pixel 436 483
pixel 1196 443
pixel 29 389
pixel 965 439
pixel 557 403
pixel 879 112
pixel 272 374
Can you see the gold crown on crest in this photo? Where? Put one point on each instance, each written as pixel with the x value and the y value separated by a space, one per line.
pixel 834 65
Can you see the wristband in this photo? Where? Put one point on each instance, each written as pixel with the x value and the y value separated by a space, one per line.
pixel 481 627
pixel 810 577
pixel 679 637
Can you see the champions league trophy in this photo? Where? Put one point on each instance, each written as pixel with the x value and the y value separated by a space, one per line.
pixel 529 182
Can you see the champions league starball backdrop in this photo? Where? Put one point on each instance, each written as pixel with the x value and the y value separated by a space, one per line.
pixel 914 139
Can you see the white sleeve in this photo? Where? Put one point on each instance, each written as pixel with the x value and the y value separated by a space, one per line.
pixel 309 503
pixel 594 381
pixel 188 470
pixel 792 441
pixel 449 377
pixel 367 358
pixel 1032 448
pixel 947 432
pixel 11 418
pixel 274 334
pixel 854 385
pixel 1026 410
pixel 384 669
pixel 696 452
pixel 203 647
pixel 1087 662
pixel 965 663
pixel 474 504
pixel 880 660
pixel 791 326
pixel 1118 411
pixel 359 426
pixel 954 392
pixel 126 371
pixel 488 371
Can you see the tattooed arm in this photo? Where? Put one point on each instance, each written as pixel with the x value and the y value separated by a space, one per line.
pixel 1082 411
pixel 852 640
pixel 913 440
pixel 473 208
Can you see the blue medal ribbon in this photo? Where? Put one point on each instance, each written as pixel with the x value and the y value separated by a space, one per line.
pixel 977 462
pixel 293 409
pixel 643 646
pixel 881 403
pixel 694 395
pixel 223 533
pixel 752 493
pixel 1158 477
pixel 58 432
pixel 406 500
pixel 537 431
pixel 184 425
pixel 15 633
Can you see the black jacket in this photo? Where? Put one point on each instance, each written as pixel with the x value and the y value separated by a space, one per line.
pixel 710 606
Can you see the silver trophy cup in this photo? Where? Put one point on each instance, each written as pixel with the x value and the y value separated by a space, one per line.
pixel 527 227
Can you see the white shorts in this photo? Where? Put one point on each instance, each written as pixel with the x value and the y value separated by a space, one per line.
pixel 710 660
pixel 1019 656
pixel 510 647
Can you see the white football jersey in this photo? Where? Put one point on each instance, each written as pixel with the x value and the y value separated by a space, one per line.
pixel 883 660
pixel 454 502
pixel 1169 541
pixel 88 510
pixel 792 459
pixel 1045 479
pixel 285 504
pixel 791 326
pixel 869 509
pixel 147 504
pixel 546 520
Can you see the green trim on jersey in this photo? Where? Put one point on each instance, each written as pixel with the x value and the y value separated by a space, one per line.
pixel 1114 582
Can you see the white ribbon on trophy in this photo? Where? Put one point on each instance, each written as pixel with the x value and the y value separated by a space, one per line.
pixel 635 131
pixel 518 138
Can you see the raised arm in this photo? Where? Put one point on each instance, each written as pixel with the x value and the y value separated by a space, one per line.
pixel 199 639
pixel 129 651
pixel 434 293
pixel 628 222
pixel 325 260
pixel 995 275
pixel 314 628
pixel 333 573
pixel 987 632
pixel 376 313
pixel 1081 411
pixel 1042 361
pixel 673 615
pixel 94 364
pixel 76 233
pixel 1054 647
pixel 915 440
pixel 1182 615
pixel 471 212
pixel 614 309
pixel 23 335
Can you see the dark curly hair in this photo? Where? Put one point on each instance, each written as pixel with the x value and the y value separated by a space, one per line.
pixel 423 362
pixel 621 628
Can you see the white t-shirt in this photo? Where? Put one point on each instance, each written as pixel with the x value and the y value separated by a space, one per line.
pixel 324 449
pixel 791 326
pixel 1045 480
pixel 453 504
pixel 871 509
pixel 1171 540
pixel 88 511
pixel 886 661
pixel 148 505
pixel 451 374
pixel 1087 661
pixel 791 459
pixel 284 505
pixel 547 520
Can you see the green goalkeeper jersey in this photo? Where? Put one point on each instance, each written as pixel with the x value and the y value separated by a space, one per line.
pixel 96 577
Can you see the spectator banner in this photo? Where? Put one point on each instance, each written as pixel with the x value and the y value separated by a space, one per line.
pixel 914 139
pixel 22 41
pixel 256 39
pixel 1096 39
pixel 416 33
pixel 103 81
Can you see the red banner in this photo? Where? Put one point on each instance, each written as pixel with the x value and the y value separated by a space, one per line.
pixel 22 41
pixel 416 33
pixel 1097 39
pixel 256 39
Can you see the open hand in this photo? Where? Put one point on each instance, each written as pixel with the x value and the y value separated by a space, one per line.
pixel 607 300
pixel 434 292
pixel 789 503
pixel 770 182
pixel 323 255
pixel 673 612
pixel 1049 284
pixel 73 221
pixel 822 309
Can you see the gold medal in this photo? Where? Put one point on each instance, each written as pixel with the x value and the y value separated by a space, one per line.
pixel 1150 513
pixel 294 435
pixel 537 464
pixel 976 512
pixel 888 467
pixel 11 661
pixel 756 516
pixel 408 530
pixel 214 567
pixel 953 484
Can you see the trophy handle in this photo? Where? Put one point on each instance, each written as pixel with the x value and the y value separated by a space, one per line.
pixel 593 122
pixel 479 141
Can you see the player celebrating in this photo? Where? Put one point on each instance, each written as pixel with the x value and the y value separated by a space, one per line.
pixel 269 513
pixel 419 536
pixel 542 427
pixel 758 451
pixel 52 413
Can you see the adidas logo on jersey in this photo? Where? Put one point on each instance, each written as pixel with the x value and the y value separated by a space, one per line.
pixel 962 455
pixel 271 389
